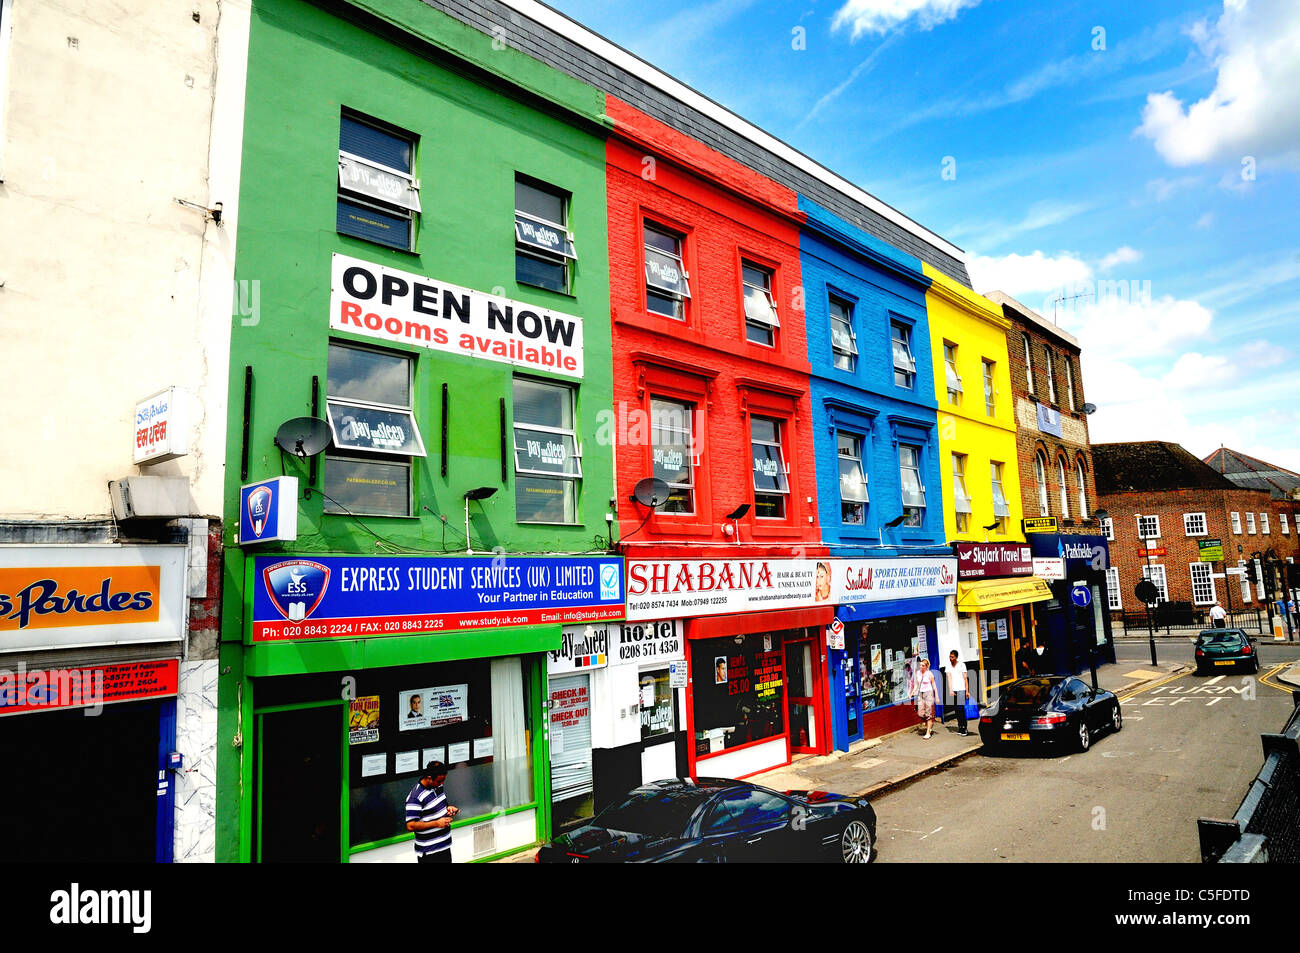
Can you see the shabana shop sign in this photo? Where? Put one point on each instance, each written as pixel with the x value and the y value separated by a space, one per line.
pixel 77 596
pixel 666 589
pixel 328 597
pixel 990 560
pixel 409 309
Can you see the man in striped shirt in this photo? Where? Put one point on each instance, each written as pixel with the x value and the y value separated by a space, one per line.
pixel 429 815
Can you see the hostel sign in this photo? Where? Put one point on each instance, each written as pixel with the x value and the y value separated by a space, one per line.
pixel 417 311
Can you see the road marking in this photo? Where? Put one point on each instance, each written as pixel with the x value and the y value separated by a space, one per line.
pixel 935 831
pixel 1211 681
pixel 1213 700
pixel 1265 679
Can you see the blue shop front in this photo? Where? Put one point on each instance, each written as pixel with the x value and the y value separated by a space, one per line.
pixel 887 613
pixel 1074 626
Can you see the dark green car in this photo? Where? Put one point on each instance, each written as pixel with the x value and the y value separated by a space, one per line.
pixel 1225 649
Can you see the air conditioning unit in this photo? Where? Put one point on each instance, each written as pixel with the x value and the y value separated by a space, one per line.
pixel 142 497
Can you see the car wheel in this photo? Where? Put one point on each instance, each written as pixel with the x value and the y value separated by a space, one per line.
pixel 1255 669
pixel 1084 739
pixel 1116 719
pixel 855 844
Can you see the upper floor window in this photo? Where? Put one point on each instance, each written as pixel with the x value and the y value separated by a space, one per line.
pixel 1286 530
pixel 1148 527
pixel 909 470
pixel 1263 523
pixel 990 394
pixel 1250 523
pixel 667 285
pixel 853 479
pixel 1040 476
pixel 1049 371
pixel 761 321
pixel 1069 382
pixel 548 457
pixel 950 371
pixel 1062 485
pixel 1029 365
pixel 1236 523
pixel 1081 477
pixel 1202 584
pixel 901 345
pixel 369 407
pixel 1001 509
pixel 1108 527
pixel 961 497
pixel 1194 524
pixel 672 441
pixel 378 196
pixel 771 486
pixel 844 343
pixel 544 249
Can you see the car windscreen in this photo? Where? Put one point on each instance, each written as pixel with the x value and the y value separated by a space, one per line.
pixel 1033 691
pixel 1219 638
pixel 653 812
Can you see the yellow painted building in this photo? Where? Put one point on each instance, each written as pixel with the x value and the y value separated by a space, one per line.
pixel 977 427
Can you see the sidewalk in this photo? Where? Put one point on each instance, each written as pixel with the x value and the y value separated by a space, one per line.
pixel 870 768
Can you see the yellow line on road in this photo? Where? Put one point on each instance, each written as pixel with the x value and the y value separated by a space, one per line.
pixel 1125 693
pixel 1264 679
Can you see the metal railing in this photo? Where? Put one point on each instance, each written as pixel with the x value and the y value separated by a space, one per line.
pixel 1171 621
pixel 1266 828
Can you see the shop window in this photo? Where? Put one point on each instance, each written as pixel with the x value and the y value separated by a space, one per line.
pixel 950 373
pixel 961 498
pixel 378 196
pixel 737 691
pixel 1040 476
pixel 544 249
pixel 1115 598
pixel 672 450
pixel 1194 524
pixel 548 457
pixel 761 321
pixel 658 706
pixel 909 470
pixel 374 433
pixel 1001 509
pixel 471 715
pixel 771 486
pixel 900 342
pixel 1202 584
pixel 853 480
pixel 667 284
pixel 844 343
pixel 990 393
pixel 889 650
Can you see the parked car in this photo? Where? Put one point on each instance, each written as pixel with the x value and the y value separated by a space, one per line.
pixel 1050 709
pixel 718 820
pixel 1225 648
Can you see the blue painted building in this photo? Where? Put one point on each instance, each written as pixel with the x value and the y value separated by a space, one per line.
pixel 876 442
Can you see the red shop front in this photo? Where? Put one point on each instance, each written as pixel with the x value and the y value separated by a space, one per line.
pixel 756 693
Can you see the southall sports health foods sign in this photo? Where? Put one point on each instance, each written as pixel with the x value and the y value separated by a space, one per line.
pixel 409 309
pixel 327 597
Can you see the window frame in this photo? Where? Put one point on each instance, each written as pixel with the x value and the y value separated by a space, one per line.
pixel 1154 571
pixel 951 375
pixel 851 355
pixel 1156 534
pixel 681 298
pixel 1049 370
pixel 1029 363
pixel 1069 382
pixel 995 480
pixel 1250 523
pixel 572 481
pixel 1081 476
pixel 1114 596
pixel 920 508
pixel 1063 488
pixel 1201 585
pixel 1263 525
pixel 961 495
pixel 905 340
pixel 1236 523
pixel 753 322
pixel 1284 524
pixel 565 259
pixel 781 431
pixel 1040 474
pixel 1190 518
pixel 1108 528
pixel 858 442
pixel 692 457
pixel 392 209
pixel 990 389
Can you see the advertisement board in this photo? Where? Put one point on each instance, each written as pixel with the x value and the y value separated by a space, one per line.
pixel 90 686
pixel 326 597
pixel 268 511
pixel 161 427
pixel 873 580
pixel 990 560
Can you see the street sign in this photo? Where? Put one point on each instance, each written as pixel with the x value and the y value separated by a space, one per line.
pixel 835 635
pixel 1211 550
pixel 1154 551
pixel 1147 592
pixel 1081 596
pixel 1039 524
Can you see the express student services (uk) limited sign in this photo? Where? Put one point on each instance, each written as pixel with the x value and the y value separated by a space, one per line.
pixel 324 597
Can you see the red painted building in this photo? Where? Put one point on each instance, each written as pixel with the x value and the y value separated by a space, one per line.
pixel 711 396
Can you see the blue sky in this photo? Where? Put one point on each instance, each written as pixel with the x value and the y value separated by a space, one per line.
pixel 1061 143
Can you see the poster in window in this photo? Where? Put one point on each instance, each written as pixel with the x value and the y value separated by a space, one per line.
pixel 458 753
pixel 373 765
pixel 657 716
pixel 877 659
pixel 363 720
pixel 720 670
pixel 1002 629
pixel 406 761
pixel 433 707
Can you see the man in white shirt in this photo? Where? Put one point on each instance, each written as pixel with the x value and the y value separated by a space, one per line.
pixel 1218 617
pixel 957 687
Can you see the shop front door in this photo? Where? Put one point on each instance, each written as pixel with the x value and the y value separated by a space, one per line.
pixel 300 783
pixel 800 704
pixel 658 726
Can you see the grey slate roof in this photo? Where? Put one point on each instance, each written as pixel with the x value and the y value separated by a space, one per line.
pixel 1254 474
pixel 569 57
pixel 1151 466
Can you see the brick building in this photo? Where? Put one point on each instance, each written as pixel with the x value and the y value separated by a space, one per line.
pixel 1255 474
pixel 1163 503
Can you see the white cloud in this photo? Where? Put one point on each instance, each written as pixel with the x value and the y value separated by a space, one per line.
pixel 1124 323
pixel 1205 221
pixel 881 16
pixel 1042 214
pixel 1163 189
pixel 1251 110
pixel 1120 256
pixel 1024 275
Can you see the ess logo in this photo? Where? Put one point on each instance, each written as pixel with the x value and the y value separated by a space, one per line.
pixel 610 581
pixel 296 587
pixel 259 504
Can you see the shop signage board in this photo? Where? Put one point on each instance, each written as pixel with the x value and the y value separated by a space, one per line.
pixel 855 581
pixel 87 687
pixel 990 560
pixel 1211 550
pixel 1039 524
pixel 637 642
pixel 161 427
pixel 56 597
pixel 1152 551
pixel 326 597
pixel 1051 568
pixel 268 511
pixel 416 311
pixel 581 647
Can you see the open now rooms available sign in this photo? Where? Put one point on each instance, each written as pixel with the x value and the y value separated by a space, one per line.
pixel 409 309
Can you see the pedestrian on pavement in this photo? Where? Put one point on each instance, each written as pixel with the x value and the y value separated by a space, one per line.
pixel 1218 618
pixel 429 816
pixel 924 689
pixel 957 684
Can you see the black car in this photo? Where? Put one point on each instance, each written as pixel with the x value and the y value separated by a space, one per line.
pixel 718 820
pixel 1048 708
pixel 1225 648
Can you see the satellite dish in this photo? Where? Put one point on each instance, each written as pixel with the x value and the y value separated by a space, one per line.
pixel 1089 408
pixel 303 436
pixel 1146 591
pixel 652 492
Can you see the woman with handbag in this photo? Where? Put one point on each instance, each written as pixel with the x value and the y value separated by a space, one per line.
pixel 926 692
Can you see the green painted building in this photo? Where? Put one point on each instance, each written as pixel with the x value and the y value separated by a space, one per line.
pixel 422 222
